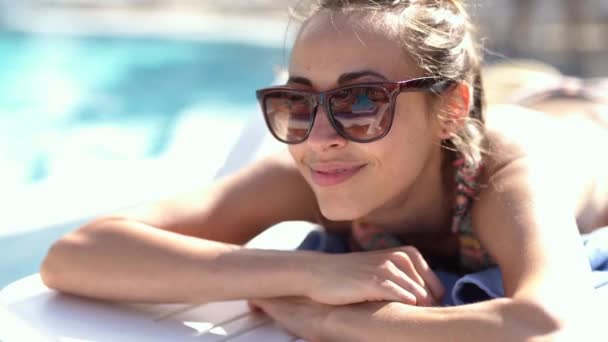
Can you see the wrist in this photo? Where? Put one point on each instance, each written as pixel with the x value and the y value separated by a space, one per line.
pixel 303 277
pixel 267 273
pixel 367 321
pixel 346 323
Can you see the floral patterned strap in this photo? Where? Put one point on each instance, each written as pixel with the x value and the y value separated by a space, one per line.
pixel 467 187
pixel 472 254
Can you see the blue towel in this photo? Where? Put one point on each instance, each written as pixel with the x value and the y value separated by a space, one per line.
pixel 482 285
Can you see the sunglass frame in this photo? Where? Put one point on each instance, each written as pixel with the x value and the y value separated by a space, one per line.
pixel 432 84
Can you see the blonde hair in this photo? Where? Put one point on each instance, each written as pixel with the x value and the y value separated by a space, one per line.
pixel 439 37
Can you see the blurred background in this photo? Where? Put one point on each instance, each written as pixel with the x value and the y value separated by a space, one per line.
pixel 106 103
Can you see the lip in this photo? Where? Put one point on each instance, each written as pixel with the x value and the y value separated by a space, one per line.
pixel 334 173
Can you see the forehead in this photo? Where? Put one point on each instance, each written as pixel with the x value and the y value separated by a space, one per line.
pixel 331 43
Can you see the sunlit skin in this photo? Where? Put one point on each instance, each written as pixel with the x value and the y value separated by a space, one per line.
pixel 524 215
pixel 399 183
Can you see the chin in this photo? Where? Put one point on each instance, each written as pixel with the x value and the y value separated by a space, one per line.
pixel 336 210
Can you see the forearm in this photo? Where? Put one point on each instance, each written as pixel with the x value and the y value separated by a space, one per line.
pixel 496 320
pixel 126 260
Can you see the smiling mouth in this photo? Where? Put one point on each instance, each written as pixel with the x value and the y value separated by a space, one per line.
pixel 334 176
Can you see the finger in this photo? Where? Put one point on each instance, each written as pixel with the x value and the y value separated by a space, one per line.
pixel 422 295
pixel 391 291
pixel 431 280
pixel 407 276
pixel 414 264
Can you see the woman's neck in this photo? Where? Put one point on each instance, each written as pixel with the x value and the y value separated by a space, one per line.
pixel 426 206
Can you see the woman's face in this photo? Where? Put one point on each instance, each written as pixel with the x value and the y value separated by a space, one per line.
pixel 352 180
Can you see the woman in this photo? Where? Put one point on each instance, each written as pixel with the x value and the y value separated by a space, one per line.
pixel 387 148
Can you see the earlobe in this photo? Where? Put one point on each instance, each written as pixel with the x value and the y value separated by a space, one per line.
pixel 456 108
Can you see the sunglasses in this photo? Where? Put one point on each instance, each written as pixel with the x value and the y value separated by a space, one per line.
pixel 360 112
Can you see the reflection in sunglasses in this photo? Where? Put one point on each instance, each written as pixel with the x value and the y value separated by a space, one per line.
pixel 379 123
pixel 359 112
pixel 364 105
pixel 372 122
pixel 288 112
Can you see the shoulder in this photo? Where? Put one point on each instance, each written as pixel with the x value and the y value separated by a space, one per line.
pixel 527 189
pixel 525 211
pixel 552 148
pixel 559 155
pixel 523 131
pixel 513 132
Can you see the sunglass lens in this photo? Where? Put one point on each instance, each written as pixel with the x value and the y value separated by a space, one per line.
pixel 289 115
pixel 361 112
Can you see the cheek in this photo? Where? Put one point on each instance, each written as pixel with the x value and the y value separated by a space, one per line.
pixel 408 147
pixel 297 153
pixel 413 127
pixel 393 165
pixel 293 151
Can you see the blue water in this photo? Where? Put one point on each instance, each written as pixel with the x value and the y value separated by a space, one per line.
pixel 67 102
pixel 57 89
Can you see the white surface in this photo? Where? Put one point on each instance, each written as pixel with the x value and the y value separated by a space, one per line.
pixel 31 312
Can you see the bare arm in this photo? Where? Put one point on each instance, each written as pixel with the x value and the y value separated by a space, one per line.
pixel 188 248
pixel 525 218
pixel 502 319
pixel 532 236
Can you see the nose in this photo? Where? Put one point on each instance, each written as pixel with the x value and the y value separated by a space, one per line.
pixel 323 135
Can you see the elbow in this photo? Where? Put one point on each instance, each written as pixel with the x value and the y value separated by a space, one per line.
pixel 533 321
pixel 58 265
pixel 49 272
pixel 573 319
pixel 61 264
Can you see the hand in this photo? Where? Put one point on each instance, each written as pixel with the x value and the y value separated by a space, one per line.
pixel 397 274
pixel 300 316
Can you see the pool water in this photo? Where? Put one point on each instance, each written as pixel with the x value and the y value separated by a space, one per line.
pixel 87 110
pixel 64 99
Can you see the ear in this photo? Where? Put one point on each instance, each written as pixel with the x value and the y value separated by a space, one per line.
pixel 454 108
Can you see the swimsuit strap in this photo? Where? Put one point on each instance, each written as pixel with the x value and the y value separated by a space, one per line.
pixel 467 187
pixel 471 253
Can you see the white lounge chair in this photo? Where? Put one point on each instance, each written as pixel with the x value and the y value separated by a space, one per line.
pixel 29 311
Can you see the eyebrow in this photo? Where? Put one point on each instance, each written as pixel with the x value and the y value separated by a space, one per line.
pixel 350 76
pixel 300 80
pixel 346 77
